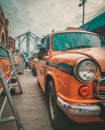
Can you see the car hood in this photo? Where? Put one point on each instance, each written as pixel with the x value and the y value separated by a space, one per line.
pixel 71 56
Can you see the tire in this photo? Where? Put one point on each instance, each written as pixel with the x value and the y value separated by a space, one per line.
pixel 57 117
pixel 34 72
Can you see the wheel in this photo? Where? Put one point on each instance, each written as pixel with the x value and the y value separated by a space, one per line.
pixel 34 72
pixel 57 116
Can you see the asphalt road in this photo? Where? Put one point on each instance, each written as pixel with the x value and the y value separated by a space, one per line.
pixel 32 108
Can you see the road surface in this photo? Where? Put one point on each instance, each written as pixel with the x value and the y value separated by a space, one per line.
pixel 32 108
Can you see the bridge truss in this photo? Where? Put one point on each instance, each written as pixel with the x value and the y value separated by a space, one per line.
pixel 28 43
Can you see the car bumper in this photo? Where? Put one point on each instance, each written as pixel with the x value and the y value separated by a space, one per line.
pixel 79 109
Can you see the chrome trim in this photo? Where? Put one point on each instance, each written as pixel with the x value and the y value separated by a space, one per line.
pixel 75 69
pixel 79 109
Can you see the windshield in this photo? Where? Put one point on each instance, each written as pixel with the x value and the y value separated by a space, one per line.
pixel 66 41
pixel 3 53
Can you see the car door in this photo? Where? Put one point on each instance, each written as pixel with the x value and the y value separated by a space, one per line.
pixel 42 65
pixel 4 62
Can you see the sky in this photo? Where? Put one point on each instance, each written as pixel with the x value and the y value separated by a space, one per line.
pixel 41 16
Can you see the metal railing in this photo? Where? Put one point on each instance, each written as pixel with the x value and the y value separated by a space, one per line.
pixel 6 89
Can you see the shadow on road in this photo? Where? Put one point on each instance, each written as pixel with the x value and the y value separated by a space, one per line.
pixel 87 126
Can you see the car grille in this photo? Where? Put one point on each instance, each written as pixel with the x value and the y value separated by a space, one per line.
pixel 101 88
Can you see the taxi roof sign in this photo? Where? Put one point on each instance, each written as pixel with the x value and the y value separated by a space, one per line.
pixel 73 28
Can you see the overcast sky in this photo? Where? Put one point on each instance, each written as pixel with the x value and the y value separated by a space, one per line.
pixel 41 16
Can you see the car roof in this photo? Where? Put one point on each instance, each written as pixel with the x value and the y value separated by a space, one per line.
pixel 66 31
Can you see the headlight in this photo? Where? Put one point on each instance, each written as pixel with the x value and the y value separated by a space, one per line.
pixel 86 70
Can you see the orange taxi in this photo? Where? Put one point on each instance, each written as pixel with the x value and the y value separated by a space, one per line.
pixel 71 72
pixel 18 63
pixel 34 63
pixel 30 63
pixel 4 65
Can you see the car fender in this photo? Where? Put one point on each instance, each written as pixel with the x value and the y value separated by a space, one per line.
pixel 51 76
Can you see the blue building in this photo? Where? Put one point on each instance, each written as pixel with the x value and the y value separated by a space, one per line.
pixel 96 25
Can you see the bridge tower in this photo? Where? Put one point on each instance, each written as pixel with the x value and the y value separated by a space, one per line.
pixel 27 42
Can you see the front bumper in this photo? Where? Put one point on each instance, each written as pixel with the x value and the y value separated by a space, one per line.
pixel 79 109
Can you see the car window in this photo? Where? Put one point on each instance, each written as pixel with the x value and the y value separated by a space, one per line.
pixel 46 43
pixel 36 55
pixel 65 41
pixel 3 53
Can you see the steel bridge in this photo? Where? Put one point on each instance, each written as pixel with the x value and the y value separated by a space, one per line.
pixel 28 43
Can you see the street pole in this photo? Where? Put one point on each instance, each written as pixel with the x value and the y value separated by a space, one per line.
pixel 83 4
pixel 83 13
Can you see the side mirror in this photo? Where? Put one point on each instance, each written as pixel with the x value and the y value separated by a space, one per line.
pixel 42 40
pixel 42 52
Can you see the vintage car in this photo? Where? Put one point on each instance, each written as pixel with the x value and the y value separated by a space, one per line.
pixel 71 72
pixel 34 63
pixel 30 63
pixel 4 65
pixel 18 62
